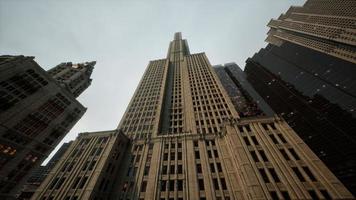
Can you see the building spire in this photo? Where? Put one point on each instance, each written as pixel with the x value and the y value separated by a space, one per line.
pixel 178 48
pixel 74 77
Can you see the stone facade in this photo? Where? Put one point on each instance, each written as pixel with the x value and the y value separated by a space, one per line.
pixel 187 141
pixel 36 112
pixel 87 169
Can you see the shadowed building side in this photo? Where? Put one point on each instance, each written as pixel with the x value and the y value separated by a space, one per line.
pixel 88 168
pixel 36 112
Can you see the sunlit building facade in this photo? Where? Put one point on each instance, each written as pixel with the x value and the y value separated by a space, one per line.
pixel 88 168
pixel 187 141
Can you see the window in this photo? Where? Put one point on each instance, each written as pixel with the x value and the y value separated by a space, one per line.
pixel 265 127
pixel 284 153
pixel 274 175
pixel 254 140
pixel 171 185
pixel 180 169
pixel 212 168
pixel 163 185
pixel 60 182
pixel 199 168
pixel 295 155
pixel 209 154
pixel 248 128
pixel 309 173
pixel 223 184
pixel 201 184
pixel 146 171
pixel 173 156
pixel 164 169
pixel 326 194
pixel 246 141
pixel 82 183
pixel 218 165
pixel 285 195
pixel 264 175
pixel 143 186
pixel 53 183
pixel 76 182
pixel 180 185
pixel 197 155
pixel 216 184
pixel 254 156
pixel 274 139
pixel 274 195
pixel 216 153
pixel 195 143
pixel 313 195
pixel 299 175
pixel 263 155
pixel 282 138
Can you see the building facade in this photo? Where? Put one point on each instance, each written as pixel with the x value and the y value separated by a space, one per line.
pixel 326 26
pixel 307 75
pixel 39 174
pixel 87 169
pixel 187 141
pixel 36 113
pixel 247 102
pixel 184 146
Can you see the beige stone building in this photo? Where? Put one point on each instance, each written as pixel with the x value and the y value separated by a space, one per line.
pixel 328 26
pixel 188 142
pixel 87 169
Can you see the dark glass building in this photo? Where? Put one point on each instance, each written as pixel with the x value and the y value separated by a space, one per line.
pixel 246 100
pixel 316 94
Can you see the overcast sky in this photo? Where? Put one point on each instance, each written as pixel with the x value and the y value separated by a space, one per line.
pixel 122 36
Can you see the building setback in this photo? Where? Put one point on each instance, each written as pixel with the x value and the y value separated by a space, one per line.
pixel 307 75
pixel 247 102
pixel 188 142
pixel 88 168
pixel 36 112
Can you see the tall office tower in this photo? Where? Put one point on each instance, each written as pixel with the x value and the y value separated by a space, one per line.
pixel 188 142
pixel 309 78
pixel 246 100
pixel 39 174
pixel 36 112
pixel 326 26
pixel 74 77
pixel 87 169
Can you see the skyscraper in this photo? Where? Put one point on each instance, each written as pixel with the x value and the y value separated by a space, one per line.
pixel 87 169
pixel 188 142
pixel 247 102
pixel 36 112
pixel 307 75
pixel 326 26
